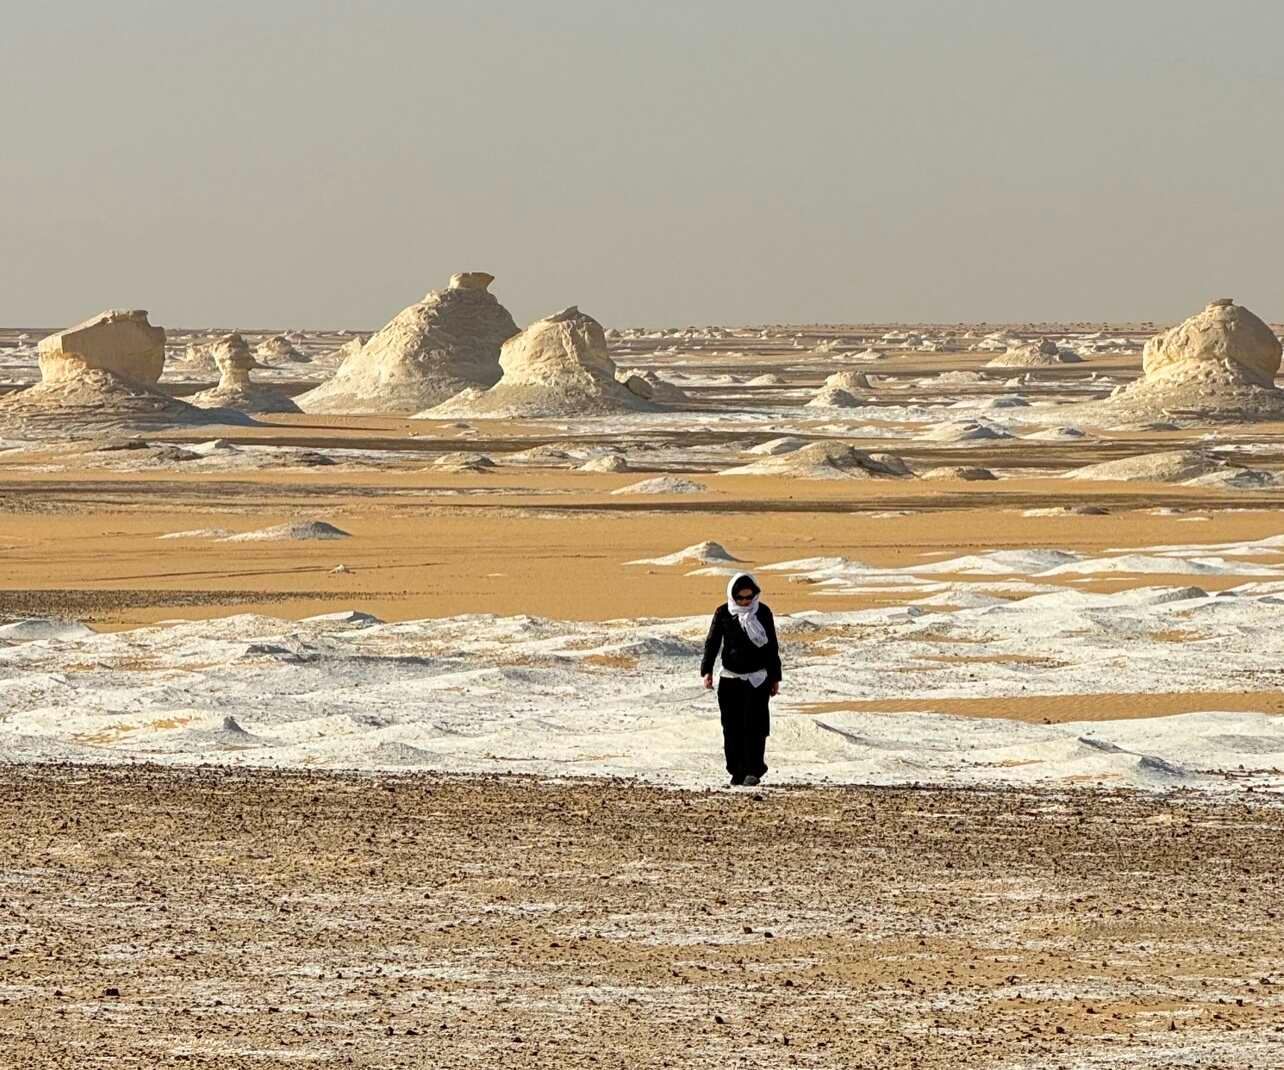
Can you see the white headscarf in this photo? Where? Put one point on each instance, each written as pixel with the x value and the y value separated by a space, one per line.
pixel 746 615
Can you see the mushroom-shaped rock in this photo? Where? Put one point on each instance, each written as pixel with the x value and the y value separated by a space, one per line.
pixel 427 353
pixel 235 389
pixel 100 377
pixel 558 366
pixel 471 280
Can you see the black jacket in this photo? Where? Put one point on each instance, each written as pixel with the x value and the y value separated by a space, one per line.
pixel 738 652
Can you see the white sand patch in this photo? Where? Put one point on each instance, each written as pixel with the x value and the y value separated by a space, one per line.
pixel 486 693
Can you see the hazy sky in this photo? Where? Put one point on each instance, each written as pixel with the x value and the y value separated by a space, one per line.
pixel 314 163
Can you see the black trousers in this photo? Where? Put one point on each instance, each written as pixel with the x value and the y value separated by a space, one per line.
pixel 746 724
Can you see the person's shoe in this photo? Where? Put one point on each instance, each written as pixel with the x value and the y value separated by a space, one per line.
pixel 736 781
pixel 751 781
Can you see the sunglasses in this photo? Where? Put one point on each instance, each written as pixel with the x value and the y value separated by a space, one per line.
pixel 743 597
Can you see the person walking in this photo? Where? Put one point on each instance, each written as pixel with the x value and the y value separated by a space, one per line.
pixel 743 631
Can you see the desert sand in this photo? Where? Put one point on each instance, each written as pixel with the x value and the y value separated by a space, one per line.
pixel 1026 764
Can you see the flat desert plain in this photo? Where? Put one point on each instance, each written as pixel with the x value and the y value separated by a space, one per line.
pixel 378 740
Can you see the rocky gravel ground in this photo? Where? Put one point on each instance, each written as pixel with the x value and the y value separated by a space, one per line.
pixel 168 918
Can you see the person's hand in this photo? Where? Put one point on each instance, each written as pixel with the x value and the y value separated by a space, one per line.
pixel 775 687
pixel 708 681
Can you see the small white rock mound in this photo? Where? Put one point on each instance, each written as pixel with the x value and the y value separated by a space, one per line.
pixel 461 461
pixel 429 352
pixel 774 446
pixel 834 397
pixel 235 389
pixel 1219 365
pixel 1172 466
pixel 650 387
pixel 280 350
pixel 662 485
pixel 848 379
pixel 966 431
pixel 826 460
pixel 1036 354
pixel 558 366
pixel 966 473
pixel 610 462
pixel 102 376
pixel 1061 433
pixel 307 530
pixel 702 553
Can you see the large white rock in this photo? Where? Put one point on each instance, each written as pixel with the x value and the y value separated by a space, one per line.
pixel 101 376
pixel 117 341
pixel 1224 334
pixel 1217 366
pixel 558 366
pixel 427 353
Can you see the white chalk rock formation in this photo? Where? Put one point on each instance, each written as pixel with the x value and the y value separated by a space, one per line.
pixel 608 462
pixel 966 473
pixel 1172 466
pixel 650 387
pixel 662 485
pixel 558 366
pixel 849 379
pixel 429 352
pixel 280 350
pixel 825 460
pixel 1037 354
pixel 120 342
pixel 1219 365
pixel 834 397
pixel 235 389
pixel 101 376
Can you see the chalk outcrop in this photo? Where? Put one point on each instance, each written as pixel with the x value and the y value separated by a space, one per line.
pixel 448 342
pixel 280 350
pixel 102 376
pixel 1218 366
pixel 120 342
pixel 558 366
pixel 1037 354
pixel 236 390
pixel 826 460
